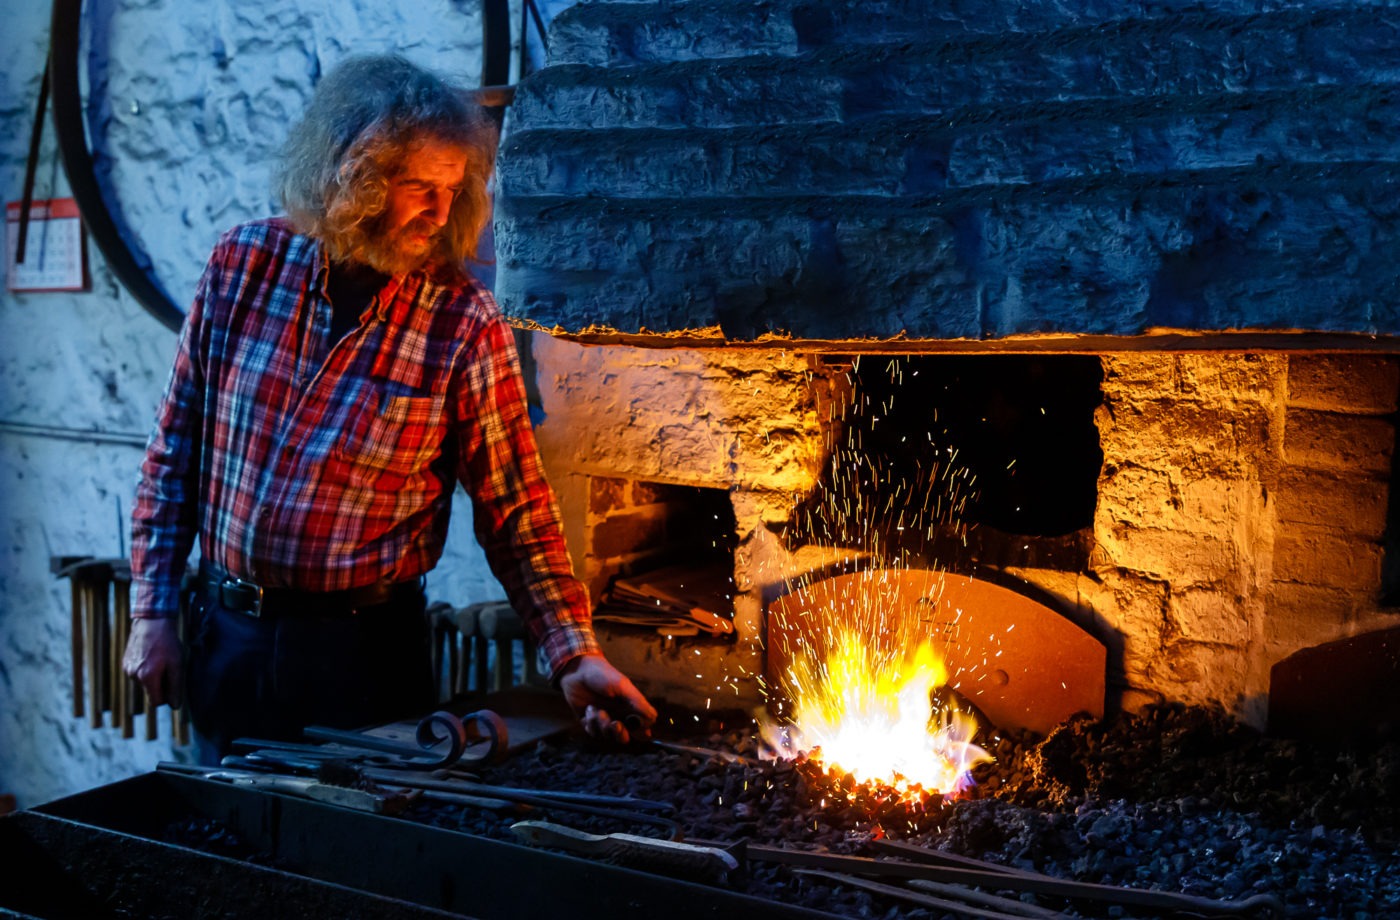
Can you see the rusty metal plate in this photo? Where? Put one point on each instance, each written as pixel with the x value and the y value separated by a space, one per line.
pixel 1023 664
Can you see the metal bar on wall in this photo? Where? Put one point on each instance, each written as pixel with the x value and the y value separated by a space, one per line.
pixel 76 637
pixel 31 166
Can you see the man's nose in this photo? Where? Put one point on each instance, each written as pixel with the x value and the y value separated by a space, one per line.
pixel 439 207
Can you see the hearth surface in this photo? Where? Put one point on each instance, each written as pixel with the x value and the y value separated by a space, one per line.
pixel 1177 799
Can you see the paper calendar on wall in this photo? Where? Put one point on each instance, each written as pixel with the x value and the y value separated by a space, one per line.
pixel 55 257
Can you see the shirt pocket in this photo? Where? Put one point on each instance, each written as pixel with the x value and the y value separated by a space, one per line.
pixel 395 434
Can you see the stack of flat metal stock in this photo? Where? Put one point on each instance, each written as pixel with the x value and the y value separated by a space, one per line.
pixel 681 600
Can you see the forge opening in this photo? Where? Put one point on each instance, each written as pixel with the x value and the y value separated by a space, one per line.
pixel 661 556
pixel 960 458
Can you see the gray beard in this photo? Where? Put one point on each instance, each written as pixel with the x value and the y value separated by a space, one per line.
pixel 388 255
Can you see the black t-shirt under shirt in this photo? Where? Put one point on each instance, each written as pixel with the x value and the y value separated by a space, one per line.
pixel 350 287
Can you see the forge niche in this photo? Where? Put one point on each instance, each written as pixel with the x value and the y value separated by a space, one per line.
pixel 960 460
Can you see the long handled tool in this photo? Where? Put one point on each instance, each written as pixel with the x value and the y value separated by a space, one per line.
pixel 1015 880
pixel 377 803
pixel 669 857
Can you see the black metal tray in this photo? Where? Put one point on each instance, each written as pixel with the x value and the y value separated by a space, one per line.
pixel 103 853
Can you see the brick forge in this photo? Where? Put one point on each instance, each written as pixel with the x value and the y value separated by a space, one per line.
pixel 1241 509
pixel 705 200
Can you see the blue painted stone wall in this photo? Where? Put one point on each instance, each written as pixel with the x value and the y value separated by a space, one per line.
pixel 970 170
pixel 187 104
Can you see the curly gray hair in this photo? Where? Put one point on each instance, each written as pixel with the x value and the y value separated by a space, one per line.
pixel 364 116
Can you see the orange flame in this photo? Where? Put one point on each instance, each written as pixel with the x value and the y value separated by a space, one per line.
pixel 876 723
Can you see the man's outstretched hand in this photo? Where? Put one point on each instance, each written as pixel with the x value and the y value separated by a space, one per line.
pixel 603 696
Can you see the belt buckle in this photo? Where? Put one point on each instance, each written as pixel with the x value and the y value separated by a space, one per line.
pixel 248 595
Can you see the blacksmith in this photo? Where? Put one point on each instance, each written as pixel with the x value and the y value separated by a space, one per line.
pixel 339 371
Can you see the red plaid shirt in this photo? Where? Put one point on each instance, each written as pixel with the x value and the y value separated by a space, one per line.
pixel 307 464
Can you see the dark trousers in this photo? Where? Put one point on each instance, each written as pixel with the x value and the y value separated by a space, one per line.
pixel 268 678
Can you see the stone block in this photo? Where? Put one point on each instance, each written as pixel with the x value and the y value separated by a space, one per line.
pixel 1353 384
pixel 1350 504
pixel 1200 673
pixel 1212 617
pixel 1204 439
pixel 1298 615
pixel 1134 496
pixel 1145 376
pixel 1181 558
pixel 1342 443
pixel 709 94
pixel 620 34
pixel 1221 505
pixel 605 493
pixel 1228 377
pixel 1323 556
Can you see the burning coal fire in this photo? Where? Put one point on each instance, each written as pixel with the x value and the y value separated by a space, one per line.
pixel 877 726
pixel 857 695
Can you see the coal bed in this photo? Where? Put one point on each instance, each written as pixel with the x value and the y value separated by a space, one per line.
pixel 1176 799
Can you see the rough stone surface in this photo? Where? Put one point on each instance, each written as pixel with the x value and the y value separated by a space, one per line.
pixel 1214 552
pixel 748 423
pixel 1296 615
pixel 909 169
pixel 1334 441
pixel 187 105
pixel 1343 384
pixel 1220 540
pixel 1348 503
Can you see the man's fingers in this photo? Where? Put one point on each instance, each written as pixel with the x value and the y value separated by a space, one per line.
pixel 598 724
pixel 590 683
pixel 152 657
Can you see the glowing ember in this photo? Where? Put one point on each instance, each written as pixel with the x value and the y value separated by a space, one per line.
pixel 876 724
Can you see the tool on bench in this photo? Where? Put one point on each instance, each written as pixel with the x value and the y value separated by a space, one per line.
pixel 669 857
pixel 640 738
pixel 483 730
pixel 965 902
pixel 377 803
pixel 334 771
pixel 1004 879
pixel 473 729
pixel 619 808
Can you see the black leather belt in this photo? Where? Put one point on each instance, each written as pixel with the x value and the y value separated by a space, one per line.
pixel 242 596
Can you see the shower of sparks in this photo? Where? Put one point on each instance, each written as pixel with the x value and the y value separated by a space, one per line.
pixel 857 695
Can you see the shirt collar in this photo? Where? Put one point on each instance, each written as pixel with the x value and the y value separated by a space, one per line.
pixel 320 275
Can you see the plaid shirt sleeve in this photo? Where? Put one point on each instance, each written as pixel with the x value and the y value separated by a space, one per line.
pixel 165 513
pixel 515 513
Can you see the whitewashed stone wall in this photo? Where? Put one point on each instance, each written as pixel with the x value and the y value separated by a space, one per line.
pixel 188 104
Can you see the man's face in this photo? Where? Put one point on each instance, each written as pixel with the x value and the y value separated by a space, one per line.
pixel 419 200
